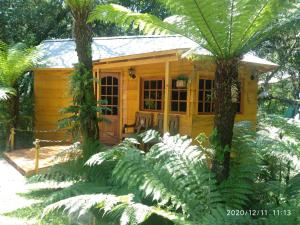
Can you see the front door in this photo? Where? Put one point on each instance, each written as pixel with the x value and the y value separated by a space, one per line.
pixel 109 94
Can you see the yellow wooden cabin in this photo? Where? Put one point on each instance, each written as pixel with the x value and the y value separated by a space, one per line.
pixel 140 74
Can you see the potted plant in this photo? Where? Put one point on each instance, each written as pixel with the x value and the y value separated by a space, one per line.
pixel 181 81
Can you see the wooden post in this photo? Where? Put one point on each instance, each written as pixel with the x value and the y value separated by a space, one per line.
pixel 167 97
pixel 12 139
pixel 37 155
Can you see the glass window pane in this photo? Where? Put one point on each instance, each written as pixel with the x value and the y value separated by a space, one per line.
pixel 115 81
pixel 200 107
pixel 146 106
pixel 182 106
pixel 158 105
pixel 174 106
pixel 146 94
pixel 103 81
pixel 115 101
pixel 208 84
pixel 208 96
pixel 116 90
pixel 109 101
pixel 174 95
pixel 109 91
pixel 201 84
pixel 153 84
pixel 207 107
pixel 153 95
pixel 146 84
pixel 173 84
pixel 183 95
pixel 159 84
pixel 115 110
pixel 159 95
pixel 109 80
pixel 200 95
pixel 103 91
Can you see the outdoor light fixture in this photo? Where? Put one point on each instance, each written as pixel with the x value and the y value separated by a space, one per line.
pixel 254 74
pixel 131 73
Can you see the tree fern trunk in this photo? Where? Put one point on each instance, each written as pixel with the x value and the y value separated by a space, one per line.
pixel 83 39
pixel 226 94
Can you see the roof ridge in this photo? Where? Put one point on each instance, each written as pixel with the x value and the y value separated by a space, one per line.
pixel 115 37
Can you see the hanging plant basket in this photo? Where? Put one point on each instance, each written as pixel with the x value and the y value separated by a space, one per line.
pixel 181 81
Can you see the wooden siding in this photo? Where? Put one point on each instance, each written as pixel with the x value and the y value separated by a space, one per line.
pixel 51 92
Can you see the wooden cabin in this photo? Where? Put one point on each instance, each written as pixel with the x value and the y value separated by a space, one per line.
pixel 140 74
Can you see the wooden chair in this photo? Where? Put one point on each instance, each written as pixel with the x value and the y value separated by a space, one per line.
pixel 173 124
pixel 143 121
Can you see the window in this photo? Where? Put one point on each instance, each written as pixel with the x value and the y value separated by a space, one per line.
pixel 152 95
pixel 205 97
pixel 110 95
pixel 178 98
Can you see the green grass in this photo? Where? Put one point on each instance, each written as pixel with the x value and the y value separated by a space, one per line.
pixel 35 211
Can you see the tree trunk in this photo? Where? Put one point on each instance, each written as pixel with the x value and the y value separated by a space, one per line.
pixel 83 39
pixel 225 103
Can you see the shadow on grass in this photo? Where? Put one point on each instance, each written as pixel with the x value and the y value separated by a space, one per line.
pixel 39 193
pixel 35 211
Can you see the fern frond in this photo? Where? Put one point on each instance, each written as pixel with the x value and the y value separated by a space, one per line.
pixel 129 210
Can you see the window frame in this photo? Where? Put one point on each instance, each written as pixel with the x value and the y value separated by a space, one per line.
pixel 142 99
pixel 178 101
pixel 212 78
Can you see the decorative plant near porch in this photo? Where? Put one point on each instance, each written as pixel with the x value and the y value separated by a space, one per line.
pixel 236 27
pixel 181 81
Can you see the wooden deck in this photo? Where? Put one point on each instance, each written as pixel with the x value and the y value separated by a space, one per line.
pixel 24 160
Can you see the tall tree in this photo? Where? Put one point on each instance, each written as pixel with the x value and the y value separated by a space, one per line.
pixel 15 60
pixel 31 22
pixel 284 49
pixel 228 29
pixel 84 99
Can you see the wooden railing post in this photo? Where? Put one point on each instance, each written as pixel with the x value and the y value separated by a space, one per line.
pixel 12 139
pixel 37 155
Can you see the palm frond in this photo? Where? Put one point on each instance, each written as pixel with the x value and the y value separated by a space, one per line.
pixel 14 62
pixel 126 19
pixel 231 31
pixel 6 93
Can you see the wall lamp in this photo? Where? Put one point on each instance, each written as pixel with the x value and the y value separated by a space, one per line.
pixel 132 73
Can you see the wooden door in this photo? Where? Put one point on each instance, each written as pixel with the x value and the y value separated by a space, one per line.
pixel 109 93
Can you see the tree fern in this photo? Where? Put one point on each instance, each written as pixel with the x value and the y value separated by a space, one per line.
pixel 174 174
pixel 231 30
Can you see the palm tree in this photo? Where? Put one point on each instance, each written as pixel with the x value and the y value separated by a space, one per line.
pixel 15 60
pixel 85 98
pixel 226 28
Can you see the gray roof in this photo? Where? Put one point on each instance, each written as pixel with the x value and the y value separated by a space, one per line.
pixel 61 53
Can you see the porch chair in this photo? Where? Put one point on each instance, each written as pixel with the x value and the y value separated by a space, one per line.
pixel 173 124
pixel 143 122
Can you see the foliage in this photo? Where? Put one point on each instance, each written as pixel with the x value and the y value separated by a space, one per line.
pixel 174 174
pixel 280 88
pixel 15 86
pixel 240 26
pixel 228 33
pixel 32 22
pixel 14 61
pixel 174 181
